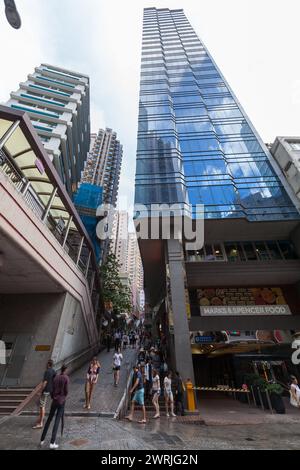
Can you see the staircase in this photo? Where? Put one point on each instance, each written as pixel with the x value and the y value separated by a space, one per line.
pixel 12 398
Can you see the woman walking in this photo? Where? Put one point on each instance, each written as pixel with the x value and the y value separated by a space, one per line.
pixel 91 380
pixel 117 361
pixel 169 395
pixel 155 392
pixel 295 392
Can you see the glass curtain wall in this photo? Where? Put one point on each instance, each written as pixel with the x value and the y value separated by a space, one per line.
pixel 195 144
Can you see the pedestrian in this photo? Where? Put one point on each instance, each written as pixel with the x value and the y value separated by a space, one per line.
pixel 156 392
pixel 108 341
pixel 139 395
pixel 133 340
pixel 179 393
pixel 137 340
pixel 142 357
pixel 125 341
pixel 148 378
pixel 169 399
pixel 156 360
pixel 117 338
pixel 91 380
pixel 294 392
pixel 46 390
pixel 59 395
pixel 117 361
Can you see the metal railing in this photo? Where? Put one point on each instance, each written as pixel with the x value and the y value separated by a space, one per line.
pixel 71 240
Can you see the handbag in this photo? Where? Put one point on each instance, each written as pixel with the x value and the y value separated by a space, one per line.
pixel 293 401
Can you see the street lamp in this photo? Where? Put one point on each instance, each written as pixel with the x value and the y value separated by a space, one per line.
pixel 12 14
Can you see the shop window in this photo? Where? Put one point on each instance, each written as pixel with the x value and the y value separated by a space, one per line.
pixel 274 250
pixel 218 252
pixel 250 252
pixel 232 252
pixel 287 250
pixel 261 251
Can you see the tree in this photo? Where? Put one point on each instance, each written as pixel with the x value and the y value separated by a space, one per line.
pixel 112 288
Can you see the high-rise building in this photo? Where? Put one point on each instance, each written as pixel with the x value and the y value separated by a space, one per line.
pixel 103 165
pixel 58 103
pixel 286 151
pixel 119 242
pixel 196 145
pixel 134 268
pixel 124 246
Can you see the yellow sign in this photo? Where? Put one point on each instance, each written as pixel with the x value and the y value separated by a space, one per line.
pixel 43 347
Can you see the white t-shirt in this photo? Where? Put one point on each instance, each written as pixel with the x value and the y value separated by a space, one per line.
pixel 118 358
pixel 167 384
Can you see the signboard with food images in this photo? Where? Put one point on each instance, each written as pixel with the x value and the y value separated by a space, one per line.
pixel 242 301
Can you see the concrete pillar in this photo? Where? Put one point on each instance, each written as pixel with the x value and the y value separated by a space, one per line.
pixel 295 237
pixel 183 353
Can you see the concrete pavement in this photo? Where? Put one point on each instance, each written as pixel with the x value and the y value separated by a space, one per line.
pixel 106 397
pixel 90 433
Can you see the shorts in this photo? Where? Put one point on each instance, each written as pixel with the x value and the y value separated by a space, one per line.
pixel 117 368
pixel 156 393
pixel 44 399
pixel 169 395
pixel 139 397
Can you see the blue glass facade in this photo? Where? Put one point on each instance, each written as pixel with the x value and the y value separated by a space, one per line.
pixel 195 143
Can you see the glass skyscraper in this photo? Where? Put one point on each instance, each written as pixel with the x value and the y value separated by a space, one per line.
pixel 196 145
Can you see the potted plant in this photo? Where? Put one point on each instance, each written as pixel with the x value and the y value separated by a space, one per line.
pixel 275 391
pixel 258 384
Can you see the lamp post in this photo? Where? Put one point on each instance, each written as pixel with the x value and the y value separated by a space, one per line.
pixel 12 14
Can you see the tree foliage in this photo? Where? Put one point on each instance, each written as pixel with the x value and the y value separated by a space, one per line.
pixel 112 288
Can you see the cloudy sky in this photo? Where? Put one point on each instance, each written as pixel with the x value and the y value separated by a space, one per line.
pixel 254 42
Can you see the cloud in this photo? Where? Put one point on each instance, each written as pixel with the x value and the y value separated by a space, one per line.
pixel 103 40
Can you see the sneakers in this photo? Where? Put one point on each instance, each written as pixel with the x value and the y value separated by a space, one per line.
pixel 167 415
pixel 54 446
pixel 156 416
pixel 173 415
pixel 42 443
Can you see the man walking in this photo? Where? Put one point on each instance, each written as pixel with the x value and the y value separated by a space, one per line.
pixel 59 395
pixel 138 397
pixel 108 341
pixel 179 392
pixel 46 390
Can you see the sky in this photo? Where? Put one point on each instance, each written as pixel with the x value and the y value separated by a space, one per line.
pixel 254 42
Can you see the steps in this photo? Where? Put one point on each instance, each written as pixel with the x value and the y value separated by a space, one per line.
pixel 11 399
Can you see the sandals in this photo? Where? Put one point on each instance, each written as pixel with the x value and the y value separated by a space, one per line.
pixel 37 426
pixel 142 421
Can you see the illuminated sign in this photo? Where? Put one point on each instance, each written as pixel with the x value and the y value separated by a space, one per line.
pixel 246 310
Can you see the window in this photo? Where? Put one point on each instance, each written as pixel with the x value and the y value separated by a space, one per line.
pixel 250 251
pixel 287 250
pixel 295 146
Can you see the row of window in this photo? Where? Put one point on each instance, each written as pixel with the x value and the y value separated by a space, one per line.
pixel 244 251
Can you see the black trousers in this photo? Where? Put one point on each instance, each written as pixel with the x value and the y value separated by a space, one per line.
pixel 57 409
pixel 179 405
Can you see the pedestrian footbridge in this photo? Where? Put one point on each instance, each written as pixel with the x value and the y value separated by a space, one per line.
pixel 49 281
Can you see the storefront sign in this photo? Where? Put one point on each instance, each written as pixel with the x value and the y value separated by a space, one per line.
pixel 203 339
pixel 245 310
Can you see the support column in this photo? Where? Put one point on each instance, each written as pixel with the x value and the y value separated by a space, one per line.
pixel 183 352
